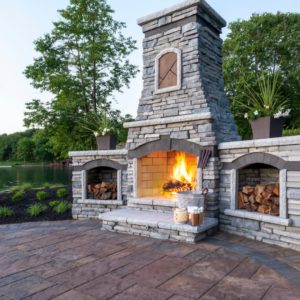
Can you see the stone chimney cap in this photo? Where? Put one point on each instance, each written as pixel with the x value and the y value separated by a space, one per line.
pixel 184 5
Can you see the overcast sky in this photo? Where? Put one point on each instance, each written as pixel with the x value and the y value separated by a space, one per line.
pixel 21 22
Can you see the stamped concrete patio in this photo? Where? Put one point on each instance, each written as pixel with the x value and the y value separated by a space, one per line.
pixel 76 260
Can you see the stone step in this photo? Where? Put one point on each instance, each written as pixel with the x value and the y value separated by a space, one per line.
pixel 156 224
pixel 157 204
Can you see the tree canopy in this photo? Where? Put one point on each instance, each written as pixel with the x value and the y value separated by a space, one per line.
pixel 82 62
pixel 265 43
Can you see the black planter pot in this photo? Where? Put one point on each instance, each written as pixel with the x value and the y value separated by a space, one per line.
pixel 106 142
pixel 267 127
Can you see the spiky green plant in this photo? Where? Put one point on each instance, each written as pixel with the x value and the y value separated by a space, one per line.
pixel 5 211
pixel 25 187
pixel 266 100
pixel 18 196
pixel 41 195
pixel 62 193
pixel 62 207
pixel 290 132
pixel 36 209
pixel 54 203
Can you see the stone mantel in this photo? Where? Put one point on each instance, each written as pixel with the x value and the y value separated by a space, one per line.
pixel 258 217
pixel 169 120
pixel 98 153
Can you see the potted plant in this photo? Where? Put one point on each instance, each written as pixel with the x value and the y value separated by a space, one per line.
pixel 266 110
pixel 102 128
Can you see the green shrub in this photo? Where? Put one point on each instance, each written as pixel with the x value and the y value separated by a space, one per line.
pixel 15 189
pixel 25 187
pixel 46 185
pixel 41 195
pixel 53 203
pixel 36 209
pixel 6 211
pixel 290 132
pixel 62 207
pixel 62 193
pixel 18 196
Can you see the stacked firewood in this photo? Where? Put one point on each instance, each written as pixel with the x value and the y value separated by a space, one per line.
pixel 261 198
pixel 103 191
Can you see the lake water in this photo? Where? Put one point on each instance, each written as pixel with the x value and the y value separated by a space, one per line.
pixel 35 175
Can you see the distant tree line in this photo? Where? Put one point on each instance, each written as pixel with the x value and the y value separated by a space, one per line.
pixel 28 146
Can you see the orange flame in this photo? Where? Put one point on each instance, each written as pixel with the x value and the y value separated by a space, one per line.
pixel 184 170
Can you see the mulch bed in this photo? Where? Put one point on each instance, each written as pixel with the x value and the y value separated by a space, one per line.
pixel 20 207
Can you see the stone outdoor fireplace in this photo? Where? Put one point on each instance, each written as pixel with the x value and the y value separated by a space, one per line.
pixel 259 189
pixel 183 114
pixel 163 173
pixel 184 138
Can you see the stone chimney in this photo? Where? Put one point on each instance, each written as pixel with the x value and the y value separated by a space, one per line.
pixel 182 77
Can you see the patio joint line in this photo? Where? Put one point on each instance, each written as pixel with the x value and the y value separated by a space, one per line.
pixel 266 292
pixel 290 273
pixel 138 268
pixel 188 266
pixel 218 281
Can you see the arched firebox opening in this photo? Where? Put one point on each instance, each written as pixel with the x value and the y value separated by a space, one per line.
pixel 102 180
pixel 258 189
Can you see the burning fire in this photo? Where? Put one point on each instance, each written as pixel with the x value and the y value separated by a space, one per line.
pixel 183 174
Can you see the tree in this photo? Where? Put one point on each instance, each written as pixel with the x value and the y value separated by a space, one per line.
pixel 265 43
pixel 25 149
pixel 42 150
pixel 82 61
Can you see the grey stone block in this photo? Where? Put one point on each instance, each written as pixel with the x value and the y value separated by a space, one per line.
pixel 293 194
pixel 246 224
pixel 180 135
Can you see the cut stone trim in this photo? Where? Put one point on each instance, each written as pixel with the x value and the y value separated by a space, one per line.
pixel 101 163
pixel 283 205
pixel 234 187
pixel 168 120
pixel 281 141
pixel 258 217
pixel 256 158
pixel 157 71
pixel 94 201
pixel 262 158
pixel 182 6
pixel 98 153
pixel 167 144
pixel 152 201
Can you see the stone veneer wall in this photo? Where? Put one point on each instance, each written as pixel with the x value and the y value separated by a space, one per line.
pixel 275 230
pixel 90 208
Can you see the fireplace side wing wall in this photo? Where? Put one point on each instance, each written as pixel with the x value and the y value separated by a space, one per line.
pixel 284 155
pixel 84 208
